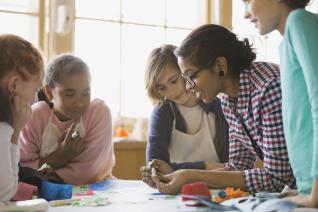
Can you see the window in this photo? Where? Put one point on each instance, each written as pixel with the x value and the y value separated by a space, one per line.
pixel 24 16
pixel 115 38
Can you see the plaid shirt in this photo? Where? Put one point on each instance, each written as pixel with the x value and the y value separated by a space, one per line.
pixel 258 107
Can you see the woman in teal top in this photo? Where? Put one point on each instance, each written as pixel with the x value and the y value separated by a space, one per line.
pixel 299 76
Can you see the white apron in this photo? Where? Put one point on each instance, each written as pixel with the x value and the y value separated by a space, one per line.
pixel 191 148
pixel 52 134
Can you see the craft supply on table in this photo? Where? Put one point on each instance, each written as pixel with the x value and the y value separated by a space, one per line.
pixel 251 203
pixel 170 197
pixel 75 134
pixel 44 166
pixel 83 190
pixel 195 189
pixel 228 193
pixel 27 205
pixel 93 201
pixel 103 185
pixel 54 191
pixel 55 203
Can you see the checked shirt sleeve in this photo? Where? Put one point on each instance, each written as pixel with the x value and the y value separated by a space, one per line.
pixel 276 171
pixel 240 158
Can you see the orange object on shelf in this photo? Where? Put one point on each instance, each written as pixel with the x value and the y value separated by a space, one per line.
pixel 121 132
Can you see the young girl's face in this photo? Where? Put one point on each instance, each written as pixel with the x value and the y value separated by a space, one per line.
pixel 265 14
pixel 71 97
pixel 172 86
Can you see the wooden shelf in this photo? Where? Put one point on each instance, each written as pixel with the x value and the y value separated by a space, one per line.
pixel 130 156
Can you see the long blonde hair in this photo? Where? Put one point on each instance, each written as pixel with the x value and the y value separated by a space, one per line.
pixel 158 60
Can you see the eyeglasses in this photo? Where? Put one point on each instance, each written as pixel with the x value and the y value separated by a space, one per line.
pixel 190 78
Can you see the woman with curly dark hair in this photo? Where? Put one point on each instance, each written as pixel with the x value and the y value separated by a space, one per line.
pixel 214 62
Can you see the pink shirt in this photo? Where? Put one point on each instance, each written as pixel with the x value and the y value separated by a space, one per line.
pixel 95 163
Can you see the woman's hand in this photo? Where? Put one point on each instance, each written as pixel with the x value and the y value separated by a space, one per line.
pixel 310 200
pixel 303 200
pixel 170 183
pixel 160 166
pixel 50 175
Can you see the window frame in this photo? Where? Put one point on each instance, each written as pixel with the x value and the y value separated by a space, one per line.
pixel 52 43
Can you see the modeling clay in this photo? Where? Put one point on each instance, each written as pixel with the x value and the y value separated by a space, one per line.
pixel 229 193
pixel 196 189
pixel 82 190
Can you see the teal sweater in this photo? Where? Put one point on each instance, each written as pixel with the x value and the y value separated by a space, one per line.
pixel 299 76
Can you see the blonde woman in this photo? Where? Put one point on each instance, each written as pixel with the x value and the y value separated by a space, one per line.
pixel 184 133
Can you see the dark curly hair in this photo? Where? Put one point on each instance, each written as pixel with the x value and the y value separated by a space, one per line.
pixel 61 66
pixel 64 65
pixel 208 42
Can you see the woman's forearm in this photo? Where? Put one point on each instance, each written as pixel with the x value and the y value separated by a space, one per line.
pixel 217 179
pixel 213 165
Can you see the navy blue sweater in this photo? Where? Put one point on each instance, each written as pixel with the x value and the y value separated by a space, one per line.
pixel 160 129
